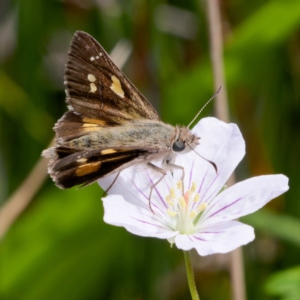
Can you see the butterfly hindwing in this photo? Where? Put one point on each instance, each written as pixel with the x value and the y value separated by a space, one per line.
pixel 72 168
pixel 71 126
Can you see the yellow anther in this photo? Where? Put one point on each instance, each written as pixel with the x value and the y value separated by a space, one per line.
pixel 179 185
pixel 193 214
pixel 182 201
pixel 193 189
pixel 202 207
pixel 171 213
pixel 197 198
pixel 172 193
pixel 169 200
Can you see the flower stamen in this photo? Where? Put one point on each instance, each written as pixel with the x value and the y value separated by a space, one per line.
pixel 193 214
pixel 197 198
pixel 172 193
pixel 172 213
pixel 193 188
pixel 169 200
pixel 179 185
pixel 182 201
pixel 202 207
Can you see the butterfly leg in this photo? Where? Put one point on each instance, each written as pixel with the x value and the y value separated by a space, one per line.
pixel 106 191
pixel 160 170
pixel 173 166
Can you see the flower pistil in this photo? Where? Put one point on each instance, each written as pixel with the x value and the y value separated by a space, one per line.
pixel 185 209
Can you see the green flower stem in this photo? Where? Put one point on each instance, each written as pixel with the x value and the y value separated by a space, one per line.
pixel 190 275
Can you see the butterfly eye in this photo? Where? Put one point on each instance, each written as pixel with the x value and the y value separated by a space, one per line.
pixel 178 146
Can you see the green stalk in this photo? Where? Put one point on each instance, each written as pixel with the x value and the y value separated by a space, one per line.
pixel 190 275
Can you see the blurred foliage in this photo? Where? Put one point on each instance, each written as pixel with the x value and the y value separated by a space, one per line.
pixel 286 284
pixel 60 248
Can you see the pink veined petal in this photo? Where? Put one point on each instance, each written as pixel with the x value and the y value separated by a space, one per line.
pixel 220 238
pixel 244 198
pixel 135 219
pixel 134 184
pixel 220 143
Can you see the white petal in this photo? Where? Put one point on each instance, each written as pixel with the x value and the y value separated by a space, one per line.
pixel 244 198
pixel 134 184
pixel 220 143
pixel 136 219
pixel 220 238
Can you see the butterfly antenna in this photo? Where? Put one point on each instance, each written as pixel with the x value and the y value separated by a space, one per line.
pixel 209 161
pixel 213 96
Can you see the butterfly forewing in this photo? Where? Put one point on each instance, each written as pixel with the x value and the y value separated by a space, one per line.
pixel 96 88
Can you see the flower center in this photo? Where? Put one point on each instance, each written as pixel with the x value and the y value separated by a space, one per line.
pixel 184 209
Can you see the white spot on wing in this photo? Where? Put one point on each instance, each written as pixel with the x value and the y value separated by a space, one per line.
pixel 92 58
pixel 93 87
pixel 91 78
pixel 116 86
pixel 82 160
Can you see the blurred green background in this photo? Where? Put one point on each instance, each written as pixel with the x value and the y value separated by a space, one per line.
pixel 60 248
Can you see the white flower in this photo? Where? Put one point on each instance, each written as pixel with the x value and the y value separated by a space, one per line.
pixel 203 217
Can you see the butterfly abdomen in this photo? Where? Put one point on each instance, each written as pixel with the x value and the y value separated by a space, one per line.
pixel 137 135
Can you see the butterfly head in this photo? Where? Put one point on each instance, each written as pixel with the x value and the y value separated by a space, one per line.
pixel 184 141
